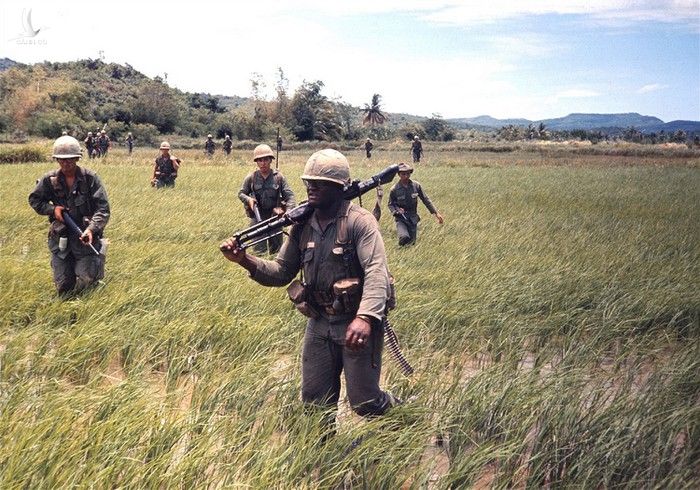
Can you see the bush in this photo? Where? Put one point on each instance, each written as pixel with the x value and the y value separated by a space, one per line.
pixel 21 154
pixel 52 123
pixel 145 134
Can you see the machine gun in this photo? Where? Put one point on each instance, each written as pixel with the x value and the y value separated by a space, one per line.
pixel 273 226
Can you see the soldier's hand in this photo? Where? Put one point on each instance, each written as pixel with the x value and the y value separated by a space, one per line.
pixel 278 211
pixel 86 237
pixel 357 334
pixel 231 251
pixel 58 213
pixel 252 202
pixel 439 218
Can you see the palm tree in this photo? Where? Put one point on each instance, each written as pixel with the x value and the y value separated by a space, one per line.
pixel 373 111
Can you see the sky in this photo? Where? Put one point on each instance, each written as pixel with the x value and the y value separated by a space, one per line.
pixel 533 59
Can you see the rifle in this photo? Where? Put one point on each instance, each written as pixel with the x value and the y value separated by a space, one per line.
pixel 277 144
pixel 72 226
pixel 256 212
pixel 273 226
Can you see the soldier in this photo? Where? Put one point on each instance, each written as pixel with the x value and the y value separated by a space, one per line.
pixel 228 144
pixel 103 143
pixel 90 145
pixel 79 192
pixel 416 149
pixel 368 148
pixel 268 190
pixel 209 146
pixel 165 168
pixel 339 244
pixel 403 204
pixel 130 142
pixel 279 143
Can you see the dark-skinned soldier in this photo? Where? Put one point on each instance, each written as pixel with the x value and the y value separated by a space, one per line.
pixel 368 148
pixel 339 244
pixel 79 192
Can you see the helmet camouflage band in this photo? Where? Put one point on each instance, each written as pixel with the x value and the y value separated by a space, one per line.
pixel 165 145
pixel 262 151
pixel 329 165
pixel 66 147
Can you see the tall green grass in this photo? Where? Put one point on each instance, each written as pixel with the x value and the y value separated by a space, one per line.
pixel 553 321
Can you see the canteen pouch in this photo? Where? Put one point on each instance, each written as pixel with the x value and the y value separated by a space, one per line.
pixel 347 294
pixel 297 295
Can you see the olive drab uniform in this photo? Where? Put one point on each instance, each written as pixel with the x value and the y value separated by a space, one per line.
pixel 76 266
pixel 351 246
pixel 90 145
pixel 165 172
pixel 407 198
pixel 227 145
pixel 103 144
pixel 130 143
pixel 368 148
pixel 416 150
pixel 270 193
pixel 209 146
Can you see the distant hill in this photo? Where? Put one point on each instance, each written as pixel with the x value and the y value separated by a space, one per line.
pixel 6 63
pixel 604 122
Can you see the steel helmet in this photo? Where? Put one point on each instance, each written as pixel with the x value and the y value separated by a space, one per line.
pixel 262 151
pixel 103 132
pixel 66 147
pixel 329 165
pixel 89 133
pixel 228 137
pixel 165 145
pixel 209 136
pixel 416 137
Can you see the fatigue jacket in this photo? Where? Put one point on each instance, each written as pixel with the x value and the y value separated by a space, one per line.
pixel 85 201
pixel 319 255
pixel 103 142
pixel 209 146
pixel 407 198
pixel 269 192
pixel 417 147
pixel 165 166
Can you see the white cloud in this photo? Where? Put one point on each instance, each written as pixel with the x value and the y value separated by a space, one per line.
pixel 652 87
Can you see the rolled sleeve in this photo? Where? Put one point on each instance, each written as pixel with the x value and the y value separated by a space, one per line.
pixel 283 269
pixel 246 189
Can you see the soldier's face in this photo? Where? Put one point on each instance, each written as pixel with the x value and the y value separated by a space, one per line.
pixel 67 165
pixel 404 177
pixel 164 152
pixel 264 164
pixel 322 194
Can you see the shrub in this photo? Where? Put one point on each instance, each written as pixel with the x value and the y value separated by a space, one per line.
pixel 21 154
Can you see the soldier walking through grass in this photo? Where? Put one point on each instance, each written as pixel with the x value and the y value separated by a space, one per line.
pixel 130 143
pixel 165 168
pixel 228 144
pixel 209 146
pixel 339 245
pixel 103 143
pixel 403 204
pixel 90 144
pixel 267 190
pixel 416 149
pixel 78 192
pixel 368 148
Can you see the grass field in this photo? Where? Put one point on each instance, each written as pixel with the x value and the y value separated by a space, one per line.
pixel 554 323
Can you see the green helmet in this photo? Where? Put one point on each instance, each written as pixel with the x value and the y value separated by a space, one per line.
pixel 262 151
pixel 329 165
pixel 405 167
pixel 66 147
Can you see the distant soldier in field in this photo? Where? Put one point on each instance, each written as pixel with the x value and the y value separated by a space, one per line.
pixel 279 143
pixel 368 148
pixel 103 143
pixel 90 145
pixel 416 149
pixel 209 145
pixel 78 192
pixel 228 144
pixel 267 190
pixel 165 168
pixel 403 204
pixel 130 142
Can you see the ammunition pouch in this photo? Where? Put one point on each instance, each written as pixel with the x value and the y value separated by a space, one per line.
pixel 347 294
pixel 297 295
pixel 57 229
pixel 391 302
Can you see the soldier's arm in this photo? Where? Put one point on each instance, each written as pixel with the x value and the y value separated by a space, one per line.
pixel 288 194
pixel 393 207
pixel 281 270
pixel 426 200
pixel 372 257
pixel 100 204
pixel 40 198
pixel 246 189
